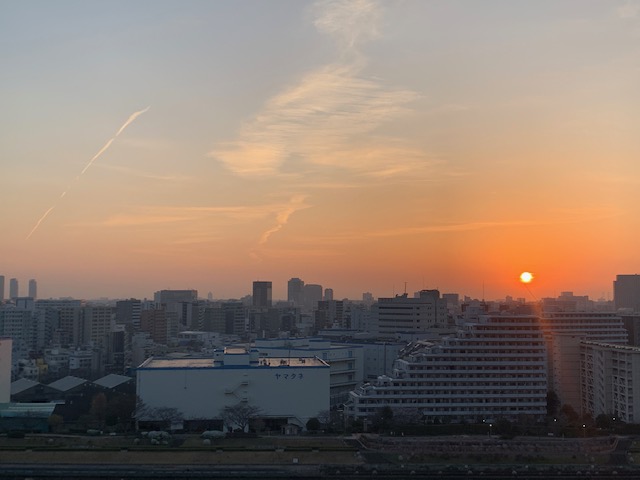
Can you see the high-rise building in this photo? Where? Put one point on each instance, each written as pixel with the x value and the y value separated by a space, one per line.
pixel 14 291
pixel 262 294
pixel 175 296
pixel 295 292
pixel 97 323
pixel 494 368
pixel 156 323
pixel 328 294
pixel 403 314
pixel 312 295
pixel 626 292
pixel 33 289
pixel 610 380
pixel 128 312
pixel 564 332
pixel 1 288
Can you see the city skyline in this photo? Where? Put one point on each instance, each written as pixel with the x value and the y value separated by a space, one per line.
pixel 354 144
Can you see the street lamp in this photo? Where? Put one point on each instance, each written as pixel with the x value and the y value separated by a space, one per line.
pixel 490 425
pixel 584 430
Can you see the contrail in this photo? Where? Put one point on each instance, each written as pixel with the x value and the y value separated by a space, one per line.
pixel 131 118
pixel 102 150
pixel 40 221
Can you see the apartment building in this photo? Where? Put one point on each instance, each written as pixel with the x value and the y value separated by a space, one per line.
pixel 494 367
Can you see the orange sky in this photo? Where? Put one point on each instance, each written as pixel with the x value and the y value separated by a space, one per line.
pixel 359 145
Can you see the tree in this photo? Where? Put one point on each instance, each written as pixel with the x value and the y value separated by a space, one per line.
pixel 553 403
pixel 568 412
pixel 604 421
pixel 384 417
pixel 165 416
pixel 99 408
pixel 239 415
pixel 55 422
pixel 313 424
pixel 120 410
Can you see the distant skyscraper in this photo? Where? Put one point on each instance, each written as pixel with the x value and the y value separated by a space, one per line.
pixel 262 294
pixel 295 294
pixel 312 295
pixel 128 312
pixel 13 289
pixel 626 292
pixel 403 314
pixel 367 298
pixel 175 296
pixel 33 289
pixel 1 288
pixel 328 294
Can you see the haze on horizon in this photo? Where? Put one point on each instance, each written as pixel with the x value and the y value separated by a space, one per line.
pixel 355 144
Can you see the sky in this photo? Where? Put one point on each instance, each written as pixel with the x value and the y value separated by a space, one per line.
pixel 360 145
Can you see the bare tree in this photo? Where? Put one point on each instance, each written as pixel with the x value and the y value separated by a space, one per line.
pixel 166 416
pixel 239 415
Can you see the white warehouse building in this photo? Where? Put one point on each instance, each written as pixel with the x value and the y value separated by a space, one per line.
pixel 286 389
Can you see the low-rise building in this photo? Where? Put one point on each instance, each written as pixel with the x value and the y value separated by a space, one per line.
pixel 346 360
pixel 291 389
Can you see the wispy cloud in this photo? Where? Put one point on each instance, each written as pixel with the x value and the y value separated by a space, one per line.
pixel 628 10
pixel 321 119
pixel 350 22
pixel 206 215
pixel 282 217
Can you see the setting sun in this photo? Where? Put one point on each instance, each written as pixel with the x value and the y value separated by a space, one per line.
pixel 526 277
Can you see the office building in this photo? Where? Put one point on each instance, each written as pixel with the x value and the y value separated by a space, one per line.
pixel 495 367
pixel 175 296
pixel 128 312
pixel 626 292
pixel 33 289
pixel 262 294
pixel 1 288
pixel 295 292
pixel 286 390
pixel 14 290
pixel 156 322
pixel 312 294
pixel 97 322
pixel 425 312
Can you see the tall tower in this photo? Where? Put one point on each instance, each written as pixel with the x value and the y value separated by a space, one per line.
pixel 1 288
pixel 33 289
pixel 312 295
pixel 261 294
pixel 295 295
pixel 14 291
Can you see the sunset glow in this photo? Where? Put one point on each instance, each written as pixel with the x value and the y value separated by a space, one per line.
pixel 526 277
pixel 360 145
